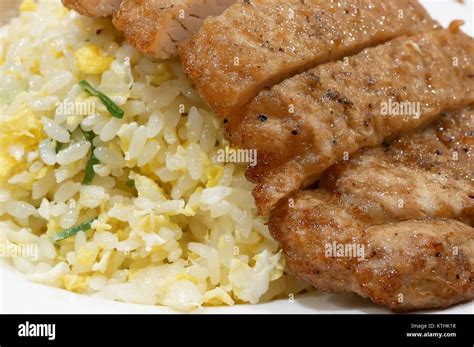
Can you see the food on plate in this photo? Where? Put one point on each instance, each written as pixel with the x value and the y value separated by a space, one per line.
pixel 303 125
pixel 107 167
pixel 423 175
pixel 258 43
pixel 394 224
pixel 93 8
pixel 155 27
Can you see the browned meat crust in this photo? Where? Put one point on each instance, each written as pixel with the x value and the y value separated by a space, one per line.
pixel 407 265
pixel 394 203
pixel 258 43
pixel 303 125
pixel 155 27
pixel 93 8
pixel 426 174
pixel 418 264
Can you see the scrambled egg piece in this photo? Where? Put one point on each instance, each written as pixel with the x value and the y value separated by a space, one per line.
pixel 35 67
pixel 75 283
pixel 28 6
pixel 217 297
pixel 153 223
pixel 52 227
pixel 85 258
pixel 122 234
pixel 213 174
pixel 101 226
pixel 22 129
pixel 185 276
pixel 91 60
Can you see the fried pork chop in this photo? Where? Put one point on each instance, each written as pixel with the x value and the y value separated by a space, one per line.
pixel 409 206
pixel 155 27
pixel 305 124
pixel 258 43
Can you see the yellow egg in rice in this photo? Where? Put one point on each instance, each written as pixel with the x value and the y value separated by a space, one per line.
pixel 91 60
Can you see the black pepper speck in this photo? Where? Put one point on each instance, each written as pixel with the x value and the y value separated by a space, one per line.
pixel 262 118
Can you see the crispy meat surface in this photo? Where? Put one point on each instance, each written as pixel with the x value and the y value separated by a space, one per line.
pixel 258 43
pixel 305 124
pixel 409 207
pixel 93 8
pixel 156 27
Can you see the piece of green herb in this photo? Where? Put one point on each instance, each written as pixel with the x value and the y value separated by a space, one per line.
pixel 59 145
pixel 111 106
pixel 89 172
pixel 89 135
pixel 62 235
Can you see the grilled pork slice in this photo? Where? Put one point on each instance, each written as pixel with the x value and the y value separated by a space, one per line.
pixel 258 43
pixel 387 225
pixel 155 27
pixel 305 124
pixel 426 174
pixel 93 8
pixel 396 213
pixel 408 265
pixel 418 264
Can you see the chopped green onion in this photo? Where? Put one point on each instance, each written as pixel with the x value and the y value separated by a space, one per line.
pixel 131 183
pixel 90 173
pixel 111 106
pixel 89 135
pixel 59 145
pixel 62 235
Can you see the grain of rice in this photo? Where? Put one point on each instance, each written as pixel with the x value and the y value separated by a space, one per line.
pixel 214 195
pixel 66 191
pixel 91 196
pixel 47 151
pixel 44 103
pixel 149 152
pixel 109 156
pixel 110 130
pixel 69 217
pixel 73 152
pixel 58 209
pixel 154 125
pixel 54 130
pixel 58 82
pixel 137 143
pixel 19 209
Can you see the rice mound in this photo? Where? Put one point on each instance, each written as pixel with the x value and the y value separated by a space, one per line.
pixel 170 225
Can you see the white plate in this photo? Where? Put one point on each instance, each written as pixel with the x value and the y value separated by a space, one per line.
pixel 17 295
